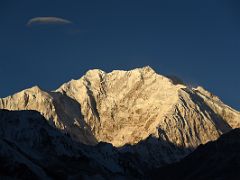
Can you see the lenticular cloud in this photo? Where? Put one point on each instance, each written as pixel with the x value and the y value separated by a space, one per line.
pixel 48 20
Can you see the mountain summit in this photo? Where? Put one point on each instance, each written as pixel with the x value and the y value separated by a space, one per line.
pixel 125 108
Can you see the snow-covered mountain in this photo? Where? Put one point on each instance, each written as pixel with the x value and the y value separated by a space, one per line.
pixel 152 120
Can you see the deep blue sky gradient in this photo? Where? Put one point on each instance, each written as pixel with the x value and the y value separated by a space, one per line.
pixel 199 41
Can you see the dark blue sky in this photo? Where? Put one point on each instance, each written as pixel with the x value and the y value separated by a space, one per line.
pixel 198 41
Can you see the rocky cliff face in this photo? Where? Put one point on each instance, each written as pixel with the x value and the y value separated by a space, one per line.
pixel 125 108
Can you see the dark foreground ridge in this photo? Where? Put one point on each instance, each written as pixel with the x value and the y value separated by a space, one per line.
pixel 218 160
pixel 32 149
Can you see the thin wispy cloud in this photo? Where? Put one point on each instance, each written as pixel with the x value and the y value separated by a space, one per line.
pixel 48 20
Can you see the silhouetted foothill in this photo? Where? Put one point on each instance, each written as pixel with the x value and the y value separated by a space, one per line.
pixel 215 160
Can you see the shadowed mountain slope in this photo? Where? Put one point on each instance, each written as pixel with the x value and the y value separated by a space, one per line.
pixel 218 160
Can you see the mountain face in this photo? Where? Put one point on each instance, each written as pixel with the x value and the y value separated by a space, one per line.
pixel 141 113
pixel 215 160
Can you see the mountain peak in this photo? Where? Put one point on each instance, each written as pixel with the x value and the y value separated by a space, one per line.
pixel 94 72
pixel 147 69
pixel 35 88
